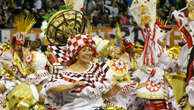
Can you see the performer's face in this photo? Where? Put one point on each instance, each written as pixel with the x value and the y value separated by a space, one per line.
pixel 18 47
pixel 33 44
pixel 85 55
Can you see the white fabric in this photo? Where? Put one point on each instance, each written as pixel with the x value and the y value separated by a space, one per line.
pixel 6 57
pixel 122 97
pixel 183 58
pixel 78 4
pixel 9 85
pixel 39 62
pixel 135 7
pixel 34 92
pixel 100 43
pixel 88 99
pixel 190 91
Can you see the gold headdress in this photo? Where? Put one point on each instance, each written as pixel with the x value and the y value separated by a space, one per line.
pixel 65 22
pixel 23 25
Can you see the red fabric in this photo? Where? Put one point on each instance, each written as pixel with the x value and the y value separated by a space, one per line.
pixel 76 43
pixel 158 106
pixel 162 26
pixel 18 42
pixel 52 59
pixel 184 31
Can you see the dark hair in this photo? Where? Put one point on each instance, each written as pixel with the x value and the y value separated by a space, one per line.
pixel 190 60
pixel 43 48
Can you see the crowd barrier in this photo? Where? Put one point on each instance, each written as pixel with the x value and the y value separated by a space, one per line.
pixel 173 38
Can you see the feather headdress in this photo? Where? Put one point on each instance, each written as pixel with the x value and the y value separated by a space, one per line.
pixel 23 25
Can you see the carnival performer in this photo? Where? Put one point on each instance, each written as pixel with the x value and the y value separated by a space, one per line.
pixel 38 61
pixel 23 95
pixel 117 97
pixel 82 83
pixel 184 19
pixel 189 105
pixel 155 61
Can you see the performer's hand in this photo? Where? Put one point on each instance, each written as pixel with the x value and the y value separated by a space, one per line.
pixel 112 92
pixel 62 88
pixel 2 87
pixel 78 84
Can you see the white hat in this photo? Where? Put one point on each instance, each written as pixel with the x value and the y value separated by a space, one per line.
pixel 137 6
pixel 100 43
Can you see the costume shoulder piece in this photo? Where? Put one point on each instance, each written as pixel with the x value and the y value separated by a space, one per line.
pixel 119 66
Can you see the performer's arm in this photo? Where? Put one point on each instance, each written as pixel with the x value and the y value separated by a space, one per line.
pixel 61 88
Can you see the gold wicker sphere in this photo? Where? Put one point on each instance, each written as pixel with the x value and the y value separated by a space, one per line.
pixel 63 25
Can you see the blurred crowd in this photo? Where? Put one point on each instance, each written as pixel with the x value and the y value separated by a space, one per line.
pixel 38 8
pixel 101 13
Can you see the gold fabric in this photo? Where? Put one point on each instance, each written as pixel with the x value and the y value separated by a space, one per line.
pixel 174 52
pixel 150 95
pixel 123 78
pixel 188 107
pixel 21 98
pixel 177 82
pixel 114 108
pixel 23 69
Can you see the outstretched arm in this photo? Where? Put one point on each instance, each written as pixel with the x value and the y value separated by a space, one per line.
pixel 61 88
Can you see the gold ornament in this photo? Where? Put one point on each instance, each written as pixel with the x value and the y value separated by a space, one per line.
pixel 145 20
pixel 144 9
pixel 174 52
pixel 123 78
pixel 6 47
pixel 21 98
pixel 114 108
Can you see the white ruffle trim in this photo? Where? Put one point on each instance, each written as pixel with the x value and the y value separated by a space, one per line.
pixel 94 92
pixel 9 85
pixel 190 91
pixel 36 79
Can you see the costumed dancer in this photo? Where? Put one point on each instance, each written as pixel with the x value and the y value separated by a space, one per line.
pixel 82 83
pixel 119 76
pixel 156 93
pixel 58 26
pixel 184 20
pixel 23 96
pixel 38 61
